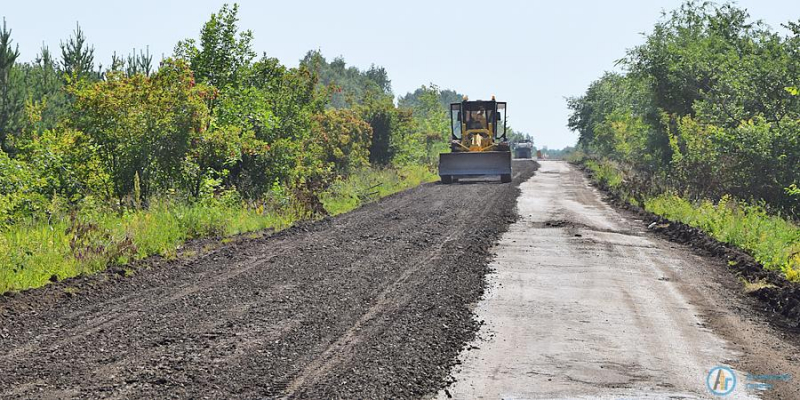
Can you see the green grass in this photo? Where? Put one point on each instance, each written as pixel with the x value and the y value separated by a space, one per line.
pixel 33 252
pixel 371 184
pixel 773 241
pixel 605 173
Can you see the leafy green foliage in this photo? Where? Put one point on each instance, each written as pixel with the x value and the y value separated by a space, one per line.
pixel 369 92
pixel 385 123
pixel 605 173
pixel 222 54
pixel 350 86
pixel 446 97
pixel 344 138
pixel 69 163
pixel 135 63
pixel 143 125
pixel 100 167
pixel 431 133
pixel 707 107
pixel 20 191
pixel 515 137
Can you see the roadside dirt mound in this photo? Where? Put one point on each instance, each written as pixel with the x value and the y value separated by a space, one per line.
pixel 782 296
pixel 371 304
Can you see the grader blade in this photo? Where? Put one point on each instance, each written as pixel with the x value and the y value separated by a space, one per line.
pixel 463 164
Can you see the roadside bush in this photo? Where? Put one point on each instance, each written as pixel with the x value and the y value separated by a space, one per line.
pixel 344 138
pixel 143 125
pixel 708 106
pixel 605 173
pixel 20 191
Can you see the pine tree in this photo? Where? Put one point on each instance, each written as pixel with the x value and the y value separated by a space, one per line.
pixel 141 63
pixel 77 57
pixel 117 62
pixel 48 67
pixel 9 105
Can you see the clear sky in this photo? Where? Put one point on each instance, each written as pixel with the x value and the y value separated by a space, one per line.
pixel 529 53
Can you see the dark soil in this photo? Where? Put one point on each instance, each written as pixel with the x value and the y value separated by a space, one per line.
pixel 780 298
pixel 371 304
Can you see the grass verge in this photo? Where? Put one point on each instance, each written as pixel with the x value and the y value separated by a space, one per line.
pixel 371 184
pixel 773 241
pixel 36 252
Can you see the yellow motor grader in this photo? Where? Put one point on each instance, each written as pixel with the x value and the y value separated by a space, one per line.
pixel 478 144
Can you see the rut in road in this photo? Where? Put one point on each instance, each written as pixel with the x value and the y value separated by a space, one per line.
pixel 373 303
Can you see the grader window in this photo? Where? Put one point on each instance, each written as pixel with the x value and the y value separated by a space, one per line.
pixel 478 116
pixel 477 119
pixel 455 120
pixel 501 120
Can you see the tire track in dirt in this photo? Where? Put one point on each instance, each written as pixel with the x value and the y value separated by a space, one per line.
pixel 343 346
pixel 112 310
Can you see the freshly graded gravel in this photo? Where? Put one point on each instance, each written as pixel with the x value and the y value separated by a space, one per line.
pixel 373 303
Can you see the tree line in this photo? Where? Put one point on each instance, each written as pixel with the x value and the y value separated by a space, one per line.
pixel 707 106
pixel 214 116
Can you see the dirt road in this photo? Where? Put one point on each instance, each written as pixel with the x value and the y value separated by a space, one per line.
pixel 371 304
pixel 586 304
pixel 378 303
